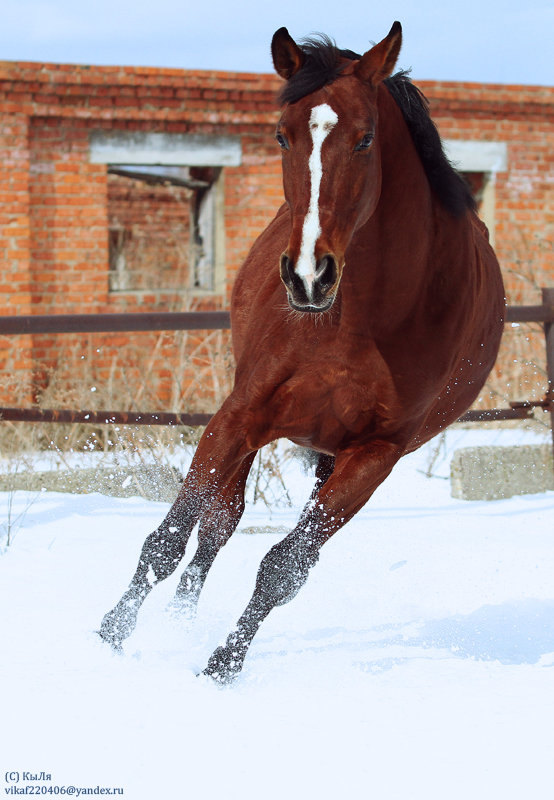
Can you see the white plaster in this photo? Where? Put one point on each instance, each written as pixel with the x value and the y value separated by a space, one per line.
pixel 322 120
pixel 173 149
pixel 476 156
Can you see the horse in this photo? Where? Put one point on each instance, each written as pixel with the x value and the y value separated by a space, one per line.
pixel 365 319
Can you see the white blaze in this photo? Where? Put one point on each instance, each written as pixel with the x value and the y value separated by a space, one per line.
pixel 322 120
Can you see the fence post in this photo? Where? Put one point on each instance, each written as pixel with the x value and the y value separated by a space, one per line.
pixel 548 300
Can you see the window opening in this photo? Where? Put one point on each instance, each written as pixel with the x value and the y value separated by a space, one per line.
pixel 162 227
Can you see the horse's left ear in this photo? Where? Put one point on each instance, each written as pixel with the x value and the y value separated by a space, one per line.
pixel 287 56
pixel 378 63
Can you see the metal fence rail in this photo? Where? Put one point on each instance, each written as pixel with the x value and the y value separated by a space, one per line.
pixel 116 323
pixel 103 417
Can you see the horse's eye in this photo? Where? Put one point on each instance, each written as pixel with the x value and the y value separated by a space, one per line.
pixel 365 143
pixel 282 141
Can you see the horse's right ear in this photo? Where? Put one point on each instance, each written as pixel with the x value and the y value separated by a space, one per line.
pixel 378 63
pixel 288 58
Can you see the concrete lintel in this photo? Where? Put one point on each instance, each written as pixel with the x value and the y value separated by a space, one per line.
pixel 167 149
pixel 476 156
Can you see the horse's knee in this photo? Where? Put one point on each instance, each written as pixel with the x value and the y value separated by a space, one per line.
pixel 161 553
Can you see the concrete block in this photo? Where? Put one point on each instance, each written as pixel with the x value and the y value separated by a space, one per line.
pixel 493 473
pixel 153 482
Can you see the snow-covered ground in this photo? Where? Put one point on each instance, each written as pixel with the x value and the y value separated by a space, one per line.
pixel 417 662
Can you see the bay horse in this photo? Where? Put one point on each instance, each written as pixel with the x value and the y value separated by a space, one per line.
pixel 394 316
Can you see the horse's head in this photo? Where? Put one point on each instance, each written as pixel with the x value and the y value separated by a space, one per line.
pixel 331 157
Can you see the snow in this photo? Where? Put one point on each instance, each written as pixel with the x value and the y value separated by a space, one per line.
pixel 415 663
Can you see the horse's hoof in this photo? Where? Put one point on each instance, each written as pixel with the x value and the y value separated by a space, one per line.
pixel 115 645
pixel 224 666
pixel 113 630
pixel 119 623
pixel 219 677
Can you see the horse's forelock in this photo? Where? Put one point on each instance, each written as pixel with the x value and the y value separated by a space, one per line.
pixel 323 64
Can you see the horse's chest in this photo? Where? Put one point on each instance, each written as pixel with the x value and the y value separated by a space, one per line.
pixel 319 407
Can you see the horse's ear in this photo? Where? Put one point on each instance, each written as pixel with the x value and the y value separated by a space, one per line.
pixel 378 63
pixel 288 58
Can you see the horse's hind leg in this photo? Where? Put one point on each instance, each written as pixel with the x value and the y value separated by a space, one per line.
pixel 215 530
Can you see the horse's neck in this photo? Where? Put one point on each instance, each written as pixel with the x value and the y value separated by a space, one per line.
pixel 406 206
pixel 392 256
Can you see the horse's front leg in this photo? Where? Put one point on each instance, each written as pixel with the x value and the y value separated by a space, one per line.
pixel 217 460
pixel 285 568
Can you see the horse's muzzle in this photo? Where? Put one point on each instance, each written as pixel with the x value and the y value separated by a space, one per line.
pixel 315 292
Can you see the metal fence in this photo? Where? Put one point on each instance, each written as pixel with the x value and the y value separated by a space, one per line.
pixel 220 320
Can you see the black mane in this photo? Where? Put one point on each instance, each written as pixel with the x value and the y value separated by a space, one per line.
pixel 324 63
pixel 449 186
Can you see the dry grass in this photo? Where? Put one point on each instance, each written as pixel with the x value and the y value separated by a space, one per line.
pixel 130 383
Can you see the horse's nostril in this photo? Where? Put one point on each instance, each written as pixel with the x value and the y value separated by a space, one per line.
pixel 286 268
pixel 326 273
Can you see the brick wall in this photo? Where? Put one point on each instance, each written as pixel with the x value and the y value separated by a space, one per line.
pixel 15 290
pixel 56 207
pixel 523 117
